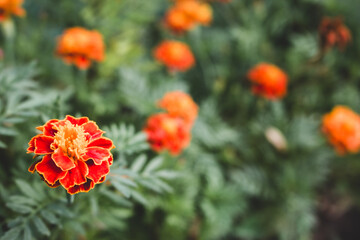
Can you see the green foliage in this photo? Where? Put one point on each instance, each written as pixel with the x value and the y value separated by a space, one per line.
pixel 232 182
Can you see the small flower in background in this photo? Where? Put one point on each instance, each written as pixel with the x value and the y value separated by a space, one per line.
pixel 176 55
pixel 180 104
pixel 333 32
pixel 268 81
pixel 186 14
pixel 166 132
pixel 73 154
pixel 80 46
pixel 342 128
pixel 11 7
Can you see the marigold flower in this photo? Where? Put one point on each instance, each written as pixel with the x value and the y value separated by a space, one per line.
pixel 80 46
pixel 167 132
pixel 73 154
pixel 185 14
pixel 268 81
pixel 11 7
pixel 333 32
pixel 180 104
pixel 175 55
pixel 342 128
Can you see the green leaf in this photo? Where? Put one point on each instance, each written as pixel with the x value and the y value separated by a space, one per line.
pixel 12 234
pixel 139 198
pixel 49 216
pixel 27 189
pixel 121 188
pixel 139 163
pixel 19 208
pixel 27 235
pixel 153 165
pixel 40 226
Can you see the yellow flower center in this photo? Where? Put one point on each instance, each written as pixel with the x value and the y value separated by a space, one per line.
pixel 170 126
pixel 71 139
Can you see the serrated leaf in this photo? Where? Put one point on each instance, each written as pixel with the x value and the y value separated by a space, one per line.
pixel 139 198
pixel 138 163
pixel 115 197
pixel 7 131
pixel 121 188
pixel 19 208
pixel 12 234
pixel 27 189
pixel 22 200
pixel 153 165
pixel 167 174
pixel 40 226
pixel 49 216
pixel 27 235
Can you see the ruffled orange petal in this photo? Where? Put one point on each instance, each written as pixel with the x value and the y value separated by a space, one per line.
pixel 97 154
pixel 62 161
pixel 31 147
pixel 42 144
pixel 77 121
pixel 82 188
pixel 93 130
pixel 102 142
pixel 48 169
pixel 75 176
pixel 96 172
pixel 48 128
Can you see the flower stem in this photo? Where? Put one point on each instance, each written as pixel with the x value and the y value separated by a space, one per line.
pixel 70 198
pixel 8 29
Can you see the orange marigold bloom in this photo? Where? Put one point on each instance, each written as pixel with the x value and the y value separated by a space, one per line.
pixel 342 128
pixel 167 132
pixel 11 7
pixel 268 81
pixel 73 154
pixel 333 32
pixel 80 46
pixel 175 55
pixel 180 104
pixel 185 14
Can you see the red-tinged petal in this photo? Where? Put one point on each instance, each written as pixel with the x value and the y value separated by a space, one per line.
pixel 102 142
pixel 55 185
pixel 42 144
pixel 48 128
pixel 62 161
pixel 48 169
pixel 77 121
pixel 102 179
pixel 96 172
pixel 32 167
pixel 92 129
pixel 97 154
pixel 87 186
pixel 75 176
pixel 81 188
pixel 82 62
pixel 31 147
pixel 110 159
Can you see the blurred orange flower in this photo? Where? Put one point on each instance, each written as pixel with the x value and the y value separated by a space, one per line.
pixel 80 46
pixel 268 81
pixel 177 56
pixel 166 132
pixel 73 154
pixel 342 128
pixel 333 32
pixel 11 7
pixel 185 14
pixel 180 104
